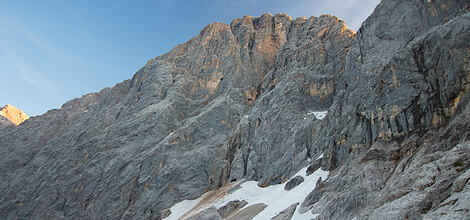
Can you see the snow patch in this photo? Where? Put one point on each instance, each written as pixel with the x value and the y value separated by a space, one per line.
pixel 275 197
pixel 318 115
pixel 182 207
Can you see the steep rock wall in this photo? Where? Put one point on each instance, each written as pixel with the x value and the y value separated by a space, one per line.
pixel 225 105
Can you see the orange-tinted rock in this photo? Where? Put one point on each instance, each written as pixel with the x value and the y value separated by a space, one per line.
pixel 13 114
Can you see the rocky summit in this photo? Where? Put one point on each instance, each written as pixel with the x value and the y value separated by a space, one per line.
pixel 244 102
pixel 13 115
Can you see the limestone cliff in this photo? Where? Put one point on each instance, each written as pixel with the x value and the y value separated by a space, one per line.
pixel 228 104
pixel 236 102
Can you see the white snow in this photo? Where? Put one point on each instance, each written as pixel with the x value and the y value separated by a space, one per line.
pixel 275 197
pixel 318 115
pixel 182 207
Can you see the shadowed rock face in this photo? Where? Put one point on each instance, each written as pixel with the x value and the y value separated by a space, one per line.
pixel 226 105
pixel 5 122
pixel 392 134
pixel 231 103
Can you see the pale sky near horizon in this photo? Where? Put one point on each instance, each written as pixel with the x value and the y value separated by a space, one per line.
pixel 53 51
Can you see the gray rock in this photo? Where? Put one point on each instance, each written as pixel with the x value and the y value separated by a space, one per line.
pixel 403 84
pixel 292 183
pixel 461 181
pixel 226 105
pixel 236 186
pixel 249 212
pixel 208 214
pixel 231 207
pixel 314 166
pixel 313 197
pixel 232 103
pixel 5 123
pixel 165 213
pixel 287 213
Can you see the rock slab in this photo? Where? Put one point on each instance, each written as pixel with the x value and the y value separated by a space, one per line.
pixel 292 183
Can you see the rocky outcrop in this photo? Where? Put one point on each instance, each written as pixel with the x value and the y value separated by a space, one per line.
pixel 208 214
pixel 235 101
pixel 313 197
pixel 314 166
pixel 231 207
pixel 292 183
pixel 5 122
pixel 249 212
pixel 13 114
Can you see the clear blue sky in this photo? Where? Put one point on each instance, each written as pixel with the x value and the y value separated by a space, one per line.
pixel 54 51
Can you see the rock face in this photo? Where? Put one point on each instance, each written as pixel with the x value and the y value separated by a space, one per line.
pixel 393 132
pixel 5 122
pixel 208 214
pixel 13 114
pixel 314 166
pixel 226 105
pixel 232 103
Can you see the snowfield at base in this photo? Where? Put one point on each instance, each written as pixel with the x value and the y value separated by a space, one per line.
pixel 275 197
pixel 179 209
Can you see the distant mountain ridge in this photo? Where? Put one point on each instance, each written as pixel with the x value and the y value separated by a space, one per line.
pixel 14 115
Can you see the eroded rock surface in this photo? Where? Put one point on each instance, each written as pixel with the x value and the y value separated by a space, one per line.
pixel 5 122
pixel 226 105
pixel 406 102
pixel 232 103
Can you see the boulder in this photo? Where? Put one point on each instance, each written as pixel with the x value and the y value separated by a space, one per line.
pixel 292 183
pixel 231 207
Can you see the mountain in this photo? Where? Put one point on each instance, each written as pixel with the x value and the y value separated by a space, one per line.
pixel 13 114
pixel 245 102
